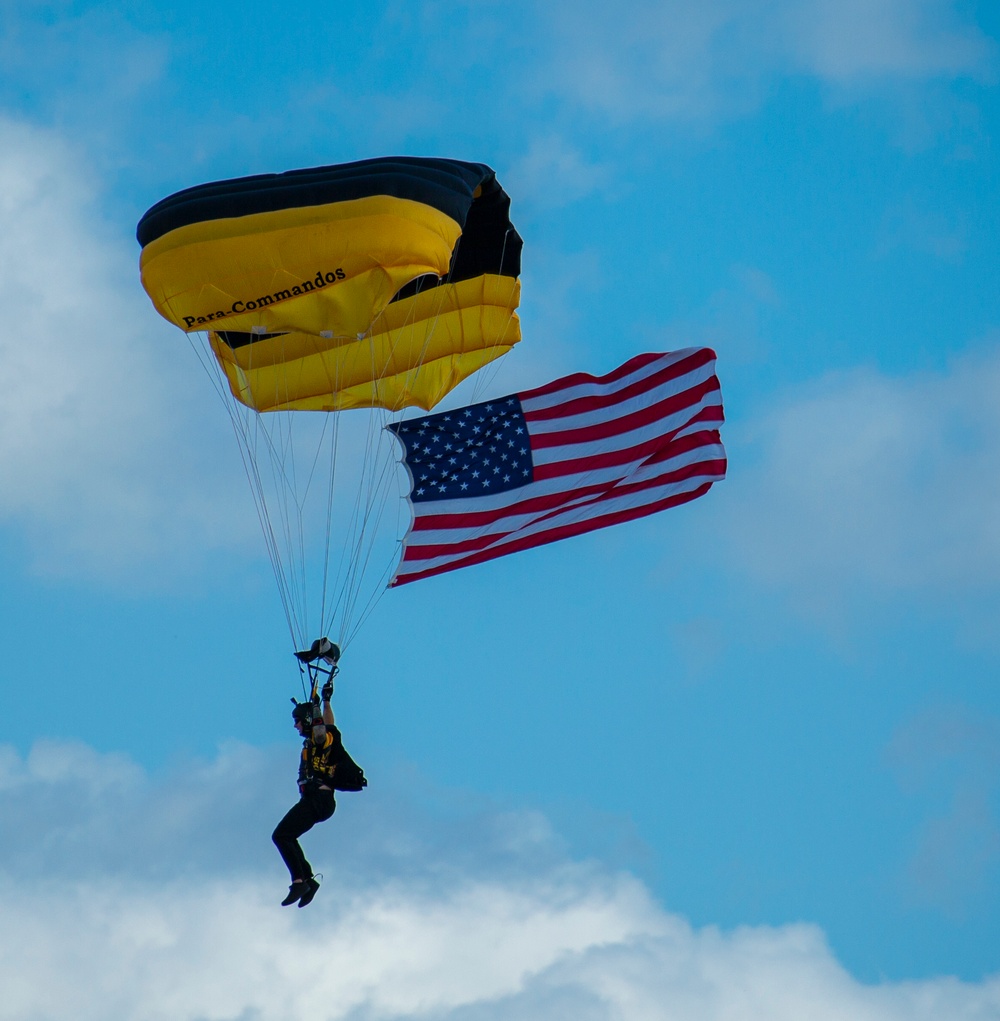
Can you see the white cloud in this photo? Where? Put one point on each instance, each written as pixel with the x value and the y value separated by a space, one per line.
pixel 649 58
pixel 951 749
pixel 842 40
pixel 84 66
pixel 871 483
pixel 912 224
pixel 554 173
pixel 413 935
pixel 679 60
pixel 734 318
pixel 109 450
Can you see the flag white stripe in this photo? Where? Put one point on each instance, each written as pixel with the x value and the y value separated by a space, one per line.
pixel 639 403
pixel 560 519
pixel 592 388
pixel 697 427
pixel 566 483
pixel 633 437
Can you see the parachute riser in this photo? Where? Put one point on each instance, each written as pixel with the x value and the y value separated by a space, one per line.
pixel 316 673
pixel 311 661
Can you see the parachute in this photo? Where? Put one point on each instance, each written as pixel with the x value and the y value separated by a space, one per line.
pixel 368 287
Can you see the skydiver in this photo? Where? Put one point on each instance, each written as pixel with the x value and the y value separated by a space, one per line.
pixel 321 746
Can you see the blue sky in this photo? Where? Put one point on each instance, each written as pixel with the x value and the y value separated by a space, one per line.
pixel 754 740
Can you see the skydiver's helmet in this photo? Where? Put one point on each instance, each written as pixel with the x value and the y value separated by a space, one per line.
pixel 302 713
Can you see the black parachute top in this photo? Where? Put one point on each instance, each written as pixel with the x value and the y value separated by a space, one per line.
pixel 446 184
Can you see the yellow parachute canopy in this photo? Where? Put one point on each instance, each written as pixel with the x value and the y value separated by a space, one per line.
pixel 379 283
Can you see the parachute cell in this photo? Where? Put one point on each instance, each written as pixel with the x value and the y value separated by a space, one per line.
pixel 415 352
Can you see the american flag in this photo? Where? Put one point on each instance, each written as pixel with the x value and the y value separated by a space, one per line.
pixel 581 453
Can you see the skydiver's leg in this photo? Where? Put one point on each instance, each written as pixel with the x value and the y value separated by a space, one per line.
pixel 299 819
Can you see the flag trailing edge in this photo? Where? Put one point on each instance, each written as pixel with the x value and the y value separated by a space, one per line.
pixel 577 454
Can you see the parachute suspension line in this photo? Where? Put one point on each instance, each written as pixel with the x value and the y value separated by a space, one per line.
pixel 327 436
pixel 281 483
pixel 273 435
pixel 331 605
pixel 278 551
pixel 376 499
pixel 341 588
pixel 287 553
pixel 255 437
pixel 330 490
pixel 249 427
pixel 364 535
pixel 286 447
pixel 381 588
pixel 328 615
pixel 370 499
pixel 350 571
pixel 245 446
pixel 217 379
pixel 328 440
pixel 278 432
pixel 294 467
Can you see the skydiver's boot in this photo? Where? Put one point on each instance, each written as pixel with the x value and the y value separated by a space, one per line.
pixel 294 893
pixel 311 888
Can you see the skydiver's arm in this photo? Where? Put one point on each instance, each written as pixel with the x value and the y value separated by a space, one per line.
pixel 327 694
pixel 318 727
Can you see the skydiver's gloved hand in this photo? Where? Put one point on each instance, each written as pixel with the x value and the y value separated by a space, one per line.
pixel 327 691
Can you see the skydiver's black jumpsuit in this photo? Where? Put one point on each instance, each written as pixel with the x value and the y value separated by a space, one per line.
pixel 316 802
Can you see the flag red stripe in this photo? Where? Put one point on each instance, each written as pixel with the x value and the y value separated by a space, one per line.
pixel 630 367
pixel 616 426
pixel 564 532
pixel 429 520
pixel 430 551
pixel 596 402
pixel 626 455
